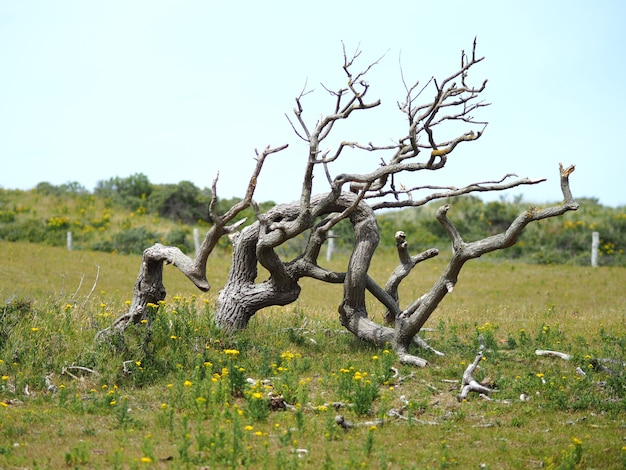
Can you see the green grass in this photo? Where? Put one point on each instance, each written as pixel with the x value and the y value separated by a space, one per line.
pixel 175 394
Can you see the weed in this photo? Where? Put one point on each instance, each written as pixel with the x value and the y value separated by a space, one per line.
pixel 369 440
pixel 78 455
pixel 257 404
pixel 569 457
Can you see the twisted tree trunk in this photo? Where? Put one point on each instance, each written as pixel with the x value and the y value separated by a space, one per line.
pixel 352 196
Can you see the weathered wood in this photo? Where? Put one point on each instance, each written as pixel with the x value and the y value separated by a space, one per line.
pixel 423 146
pixel 469 383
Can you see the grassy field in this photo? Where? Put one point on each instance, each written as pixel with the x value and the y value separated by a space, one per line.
pixel 180 394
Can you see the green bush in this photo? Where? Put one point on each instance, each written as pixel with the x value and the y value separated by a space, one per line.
pixel 131 192
pixel 182 201
pixel 130 241
pixel 30 230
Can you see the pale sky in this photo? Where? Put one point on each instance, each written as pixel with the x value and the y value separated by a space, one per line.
pixel 179 90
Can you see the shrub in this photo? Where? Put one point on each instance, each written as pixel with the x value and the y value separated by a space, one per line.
pixel 182 201
pixel 130 241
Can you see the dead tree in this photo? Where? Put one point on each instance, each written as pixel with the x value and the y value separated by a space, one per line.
pixel 425 145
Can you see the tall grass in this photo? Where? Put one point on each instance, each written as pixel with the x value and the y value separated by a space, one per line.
pixel 179 393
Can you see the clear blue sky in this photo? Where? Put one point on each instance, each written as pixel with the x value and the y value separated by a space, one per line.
pixel 179 90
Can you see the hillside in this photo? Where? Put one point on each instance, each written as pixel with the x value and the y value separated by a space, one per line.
pixel 126 215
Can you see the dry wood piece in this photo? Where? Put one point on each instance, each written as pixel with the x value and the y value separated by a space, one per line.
pixel 80 369
pixel 345 424
pixel 545 352
pixel 469 384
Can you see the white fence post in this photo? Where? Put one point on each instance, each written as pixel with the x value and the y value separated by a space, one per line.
pixel 69 241
pixel 331 245
pixel 595 244
pixel 196 240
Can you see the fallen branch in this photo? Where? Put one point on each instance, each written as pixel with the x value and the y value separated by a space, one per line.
pixel 398 414
pixel 545 352
pixel 488 398
pixel 66 371
pixel 469 384
pixel 345 424
pixel 398 379
pixel 597 363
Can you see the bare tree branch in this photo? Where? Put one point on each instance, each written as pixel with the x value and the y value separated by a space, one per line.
pixel 463 252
